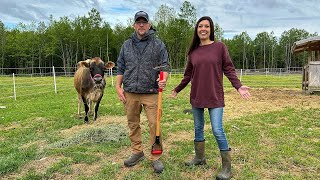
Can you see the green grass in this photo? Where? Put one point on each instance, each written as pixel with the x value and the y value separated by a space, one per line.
pixel 269 145
pixel 280 142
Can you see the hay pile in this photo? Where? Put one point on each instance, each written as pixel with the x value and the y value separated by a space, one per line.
pixel 109 133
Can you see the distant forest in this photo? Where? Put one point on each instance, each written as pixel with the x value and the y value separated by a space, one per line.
pixel 64 42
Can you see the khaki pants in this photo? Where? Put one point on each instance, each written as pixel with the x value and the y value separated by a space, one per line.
pixel 133 107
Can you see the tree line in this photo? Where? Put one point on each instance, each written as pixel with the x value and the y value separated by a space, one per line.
pixel 64 42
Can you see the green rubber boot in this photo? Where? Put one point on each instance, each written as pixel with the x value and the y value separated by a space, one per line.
pixel 225 172
pixel 199 158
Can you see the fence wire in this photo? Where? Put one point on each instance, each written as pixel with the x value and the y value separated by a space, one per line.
pixel 34 81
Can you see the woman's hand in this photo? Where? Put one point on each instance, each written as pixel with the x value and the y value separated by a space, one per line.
pixel 244 92
pixel 173 94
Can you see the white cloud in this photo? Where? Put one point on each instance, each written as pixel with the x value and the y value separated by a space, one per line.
pixel 233 16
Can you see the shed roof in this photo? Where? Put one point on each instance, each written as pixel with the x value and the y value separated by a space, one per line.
pixel 312 43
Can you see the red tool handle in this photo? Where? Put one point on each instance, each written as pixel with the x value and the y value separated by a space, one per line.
pixel 161 78
pixel 156 147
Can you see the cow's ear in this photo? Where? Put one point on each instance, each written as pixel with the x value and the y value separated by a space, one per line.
pixel 84 64
pixel 109 65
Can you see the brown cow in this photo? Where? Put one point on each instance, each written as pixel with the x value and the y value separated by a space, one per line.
pixel 90 83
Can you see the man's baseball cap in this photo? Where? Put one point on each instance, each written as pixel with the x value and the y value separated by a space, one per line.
pixel 141 14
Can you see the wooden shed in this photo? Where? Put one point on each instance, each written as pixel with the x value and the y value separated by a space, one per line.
pixel 311 70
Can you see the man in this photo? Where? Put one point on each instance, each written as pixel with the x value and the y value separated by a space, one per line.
pixel 138 57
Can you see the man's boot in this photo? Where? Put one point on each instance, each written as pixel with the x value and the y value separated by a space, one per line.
pixel 157 166
pixel 199 158
pixel 225 172
pixel 134 159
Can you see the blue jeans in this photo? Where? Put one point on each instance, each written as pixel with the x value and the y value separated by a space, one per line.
pixel 216 125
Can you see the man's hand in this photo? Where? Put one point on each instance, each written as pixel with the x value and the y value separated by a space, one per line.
pixel 120 91
pixel 121 96
pixel 162 84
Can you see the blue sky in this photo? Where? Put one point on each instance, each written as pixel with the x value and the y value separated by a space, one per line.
pixel 234 16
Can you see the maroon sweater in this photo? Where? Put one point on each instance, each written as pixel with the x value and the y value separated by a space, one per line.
pixel 205 68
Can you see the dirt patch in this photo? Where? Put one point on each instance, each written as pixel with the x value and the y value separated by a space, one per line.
pixel 41 144
pixel 179 136
pixel 80 170
pixel 171 138
pixel 14 125
pixel 42 164
pixel 203 173
pixel 17 125
pixel 267 100
pixel 39 166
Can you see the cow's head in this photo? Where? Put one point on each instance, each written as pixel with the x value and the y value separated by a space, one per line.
pixel 97 68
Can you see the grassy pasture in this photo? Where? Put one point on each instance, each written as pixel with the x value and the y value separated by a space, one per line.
pixel 274 135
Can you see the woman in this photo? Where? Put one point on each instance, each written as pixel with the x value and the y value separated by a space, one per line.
pixel 208 60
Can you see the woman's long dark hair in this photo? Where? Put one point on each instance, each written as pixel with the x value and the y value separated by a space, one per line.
pixel 195 39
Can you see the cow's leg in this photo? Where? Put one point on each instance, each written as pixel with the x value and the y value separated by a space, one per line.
pixel 79 104
pixel 96 108
pixel 86 109
pixel 90 106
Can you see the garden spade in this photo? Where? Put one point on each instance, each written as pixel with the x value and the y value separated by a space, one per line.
pixel 156 147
